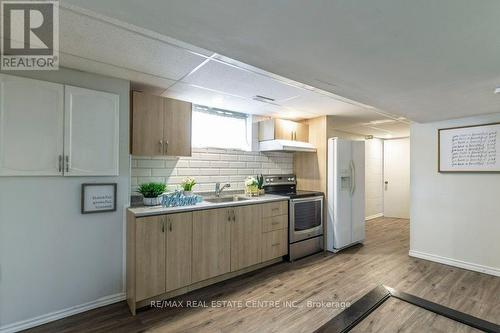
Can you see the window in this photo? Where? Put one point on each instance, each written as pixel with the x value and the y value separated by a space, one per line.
pixel 216 128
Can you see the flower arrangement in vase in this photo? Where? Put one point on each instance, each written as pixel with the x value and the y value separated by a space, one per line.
pixel 187 186
pixel 251 187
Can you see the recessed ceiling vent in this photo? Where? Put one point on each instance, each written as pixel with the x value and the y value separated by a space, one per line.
pixel 264 99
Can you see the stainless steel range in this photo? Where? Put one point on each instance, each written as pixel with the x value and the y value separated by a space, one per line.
pixel 305 215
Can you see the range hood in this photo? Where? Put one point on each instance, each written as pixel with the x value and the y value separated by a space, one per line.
pixel 286 145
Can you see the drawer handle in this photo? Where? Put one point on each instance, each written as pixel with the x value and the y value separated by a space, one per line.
pixel 274 223
pixel 275 244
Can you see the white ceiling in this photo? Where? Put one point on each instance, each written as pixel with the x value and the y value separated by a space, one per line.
pixel 427 60
pixel 161 65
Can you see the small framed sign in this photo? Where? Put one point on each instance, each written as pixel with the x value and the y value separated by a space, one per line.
pixel 473 148
pixel 98 198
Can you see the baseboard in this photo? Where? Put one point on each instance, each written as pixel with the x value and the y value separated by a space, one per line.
pixel 456 263
pixel 371 217
pixel 43 319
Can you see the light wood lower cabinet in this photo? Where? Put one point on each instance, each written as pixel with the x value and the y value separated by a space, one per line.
pixel 179 240
pixel 211 243
pixel 274 244
pixel 160 253
pixel 274 230
pixel 275 209
pixel 246 237
pixel 150 257
pixel 168 255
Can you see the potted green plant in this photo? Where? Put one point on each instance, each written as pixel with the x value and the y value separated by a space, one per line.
pixel 187 186
pixel 152 193
pixel 260 184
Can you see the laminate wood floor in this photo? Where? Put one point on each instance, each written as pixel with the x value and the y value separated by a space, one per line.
pixel 398 316
pixel 309 292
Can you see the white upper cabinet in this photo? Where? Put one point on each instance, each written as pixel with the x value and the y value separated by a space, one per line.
pixel 91 132
pixel 48 129
pixel 31 127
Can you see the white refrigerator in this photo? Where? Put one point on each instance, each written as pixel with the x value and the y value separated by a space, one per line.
pixel 345 193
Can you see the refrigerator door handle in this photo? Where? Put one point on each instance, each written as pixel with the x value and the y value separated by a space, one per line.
pixel 353 177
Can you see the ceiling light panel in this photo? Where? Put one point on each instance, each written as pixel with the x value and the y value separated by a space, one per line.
pixel 93 66
pixel 100 41
pixel 313 102
pixel 237 81
pixel 199 95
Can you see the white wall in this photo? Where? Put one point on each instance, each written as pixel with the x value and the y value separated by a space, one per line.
pixel 374 173
pixel 209 166
pixel 51 256
pixel 455 217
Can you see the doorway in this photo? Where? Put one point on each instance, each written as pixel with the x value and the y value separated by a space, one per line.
pixel 397 178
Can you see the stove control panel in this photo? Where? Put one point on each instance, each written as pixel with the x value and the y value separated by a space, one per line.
pixel 280 180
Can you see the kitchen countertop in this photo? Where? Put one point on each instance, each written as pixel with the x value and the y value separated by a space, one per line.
pixel 159 210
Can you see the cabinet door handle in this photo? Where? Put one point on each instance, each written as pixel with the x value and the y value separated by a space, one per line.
pixel 67 163
pixel 234 216
pixel 161 146
pixel 227 213
pixel 163 226
pixel 275 244
pixel 170 226
pixel 60 163
pixel 275 222
pixel 166 146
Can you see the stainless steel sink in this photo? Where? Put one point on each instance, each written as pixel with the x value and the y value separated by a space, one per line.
pixel 225 199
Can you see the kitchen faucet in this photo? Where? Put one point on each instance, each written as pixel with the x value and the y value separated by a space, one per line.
pixel 219 189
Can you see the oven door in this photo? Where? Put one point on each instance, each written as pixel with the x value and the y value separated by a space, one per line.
pixel 306 218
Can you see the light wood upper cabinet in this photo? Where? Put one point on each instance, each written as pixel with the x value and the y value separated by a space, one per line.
pixel 91 135
pixel 246 236
pixel 31 127
pixel 211 243
pixel 147 124
pixel 280 129
pixel 160 126
pixel 150 257
pixel 177 128
pixel 302 132
pixel 179 239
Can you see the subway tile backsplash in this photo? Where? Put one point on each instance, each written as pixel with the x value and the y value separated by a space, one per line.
pixel 209 166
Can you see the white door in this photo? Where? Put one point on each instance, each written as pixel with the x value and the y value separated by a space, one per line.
pixel 91 134
pixel 397 178
pixel 31 127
